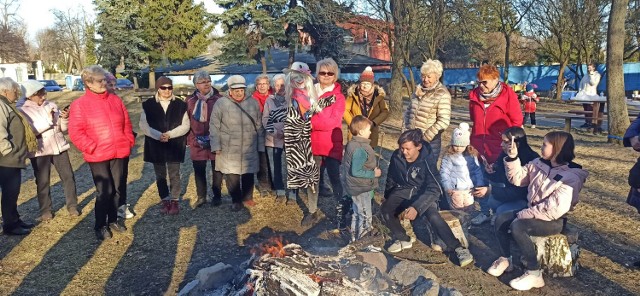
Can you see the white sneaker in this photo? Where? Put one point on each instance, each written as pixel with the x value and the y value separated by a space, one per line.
pixel 499 266
pixel 527 281
pixel 533 126
pixel 479 219
pixel 464 256
pixel 398 246
pixel 125 212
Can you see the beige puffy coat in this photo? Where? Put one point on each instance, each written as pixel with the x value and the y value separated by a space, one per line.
pixel 429 111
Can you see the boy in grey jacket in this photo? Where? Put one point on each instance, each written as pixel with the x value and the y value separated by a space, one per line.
pixel 362 175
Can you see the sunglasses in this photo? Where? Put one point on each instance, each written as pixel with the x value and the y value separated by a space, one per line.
pixel 166 87
pixel 323 73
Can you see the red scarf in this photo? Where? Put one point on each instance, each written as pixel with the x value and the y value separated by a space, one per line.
pixel 262 98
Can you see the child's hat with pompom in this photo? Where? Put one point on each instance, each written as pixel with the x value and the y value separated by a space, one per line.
pixel 461 135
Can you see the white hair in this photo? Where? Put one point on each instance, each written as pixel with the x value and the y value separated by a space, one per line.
pixel 431 67
pixel 299 80
pixel 7 84
pixel 276 78
pixel 262 76
pixel 200 75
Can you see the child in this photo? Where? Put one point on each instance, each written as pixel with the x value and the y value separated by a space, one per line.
pixel 460 170
pixel 361 174
pixel 554 183
pixel 529 100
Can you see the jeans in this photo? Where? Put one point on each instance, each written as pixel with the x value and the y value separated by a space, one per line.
pixel 108 176
pixel 484 205
pixel 361 219
pixel 277 168
pixel 332 166
pixel 240 187
pixel 10 179
pixel 42 172
pixel 200 174
pixel 174 178
pixel 521 231
pixel 500 207
pixel 529 114
pixel 394 205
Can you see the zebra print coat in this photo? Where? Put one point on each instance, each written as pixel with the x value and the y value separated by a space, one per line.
pixel 302 170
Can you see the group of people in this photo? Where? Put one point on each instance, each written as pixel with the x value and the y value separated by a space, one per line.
pixel 289 132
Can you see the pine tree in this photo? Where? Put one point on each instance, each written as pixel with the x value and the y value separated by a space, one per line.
pixel 174 31
pixel 118 24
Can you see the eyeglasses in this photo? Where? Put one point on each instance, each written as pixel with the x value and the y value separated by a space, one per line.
pixel 323 73
pixel 204 82
pixel 166 87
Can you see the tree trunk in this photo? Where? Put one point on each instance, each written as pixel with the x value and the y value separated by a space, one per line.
pixel 152 77
pixel 617 105
pixel 263 61
pixel 397 59
pixel 507 40
pixel 560 83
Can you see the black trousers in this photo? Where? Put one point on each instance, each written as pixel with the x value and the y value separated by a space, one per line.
pixel 175 185
pixel 532 115
pixel 108 176
pixel 521 231
pixel 240 187
pixel 332 167
pixel 10 179
pixel 42 172
pixel 200 174
pixel 122 191
pixel 264 173
pixel 394 205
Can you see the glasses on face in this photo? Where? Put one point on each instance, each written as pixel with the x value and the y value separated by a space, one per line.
pixel 204 82
pixel 166 87
pixel 100 81
pixel 323 73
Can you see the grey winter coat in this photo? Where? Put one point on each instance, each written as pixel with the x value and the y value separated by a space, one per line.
pixel 236 136
pixel 13 147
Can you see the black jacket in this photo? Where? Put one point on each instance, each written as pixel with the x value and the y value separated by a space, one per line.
pixel 417 181
pixel 173 150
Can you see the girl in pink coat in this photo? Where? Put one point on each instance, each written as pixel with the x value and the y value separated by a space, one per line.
pixel 554 183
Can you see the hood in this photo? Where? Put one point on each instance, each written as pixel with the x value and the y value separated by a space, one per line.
pixel 571 169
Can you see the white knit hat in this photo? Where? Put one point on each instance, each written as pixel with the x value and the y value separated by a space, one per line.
pixel 461 135
pixel 30 87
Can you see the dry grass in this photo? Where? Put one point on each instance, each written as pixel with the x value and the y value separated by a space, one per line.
pixel 160 254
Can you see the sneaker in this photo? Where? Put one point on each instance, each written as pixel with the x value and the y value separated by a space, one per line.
pixel 125 212
pixel 399 245
pixel 166 205
pixel 118 226
pixel 311 219
pixel 464 256
pixel 479 219
pixel 499 266
pixel 200 202
pixel 530 279
pixel 103 233
pixel 174 208
pixel 437 245
pixel 45 217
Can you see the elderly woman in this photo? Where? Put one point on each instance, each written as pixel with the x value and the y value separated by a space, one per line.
pixel 100 128
pixel 367 99
pixel 237 137
pixel 261 94
pixel 16 140
pixel 430 107
pixel 493 108
pixel 326 137
pixel 165 123
pixel 48 123
pixel 200 104
pixel 274 137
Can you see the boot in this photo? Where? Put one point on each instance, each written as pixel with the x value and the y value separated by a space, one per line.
pixel 342 212
pixel 174 208
pixel 166 204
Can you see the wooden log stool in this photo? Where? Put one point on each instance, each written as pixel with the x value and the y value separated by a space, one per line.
pixel 558 254
pixel 456 227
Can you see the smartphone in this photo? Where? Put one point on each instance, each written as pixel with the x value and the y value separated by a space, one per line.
pixel 66 108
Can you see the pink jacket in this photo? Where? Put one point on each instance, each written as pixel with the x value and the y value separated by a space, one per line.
pixel 99 126
pixel 553 192
pixel 326 127
pixel 48 127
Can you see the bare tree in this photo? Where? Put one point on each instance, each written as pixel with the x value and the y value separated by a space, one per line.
pixel 13 47
pixel 618 118
pixel 71 27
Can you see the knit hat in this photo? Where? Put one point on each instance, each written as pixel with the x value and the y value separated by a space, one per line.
pixel 367 75
pixel 460 136
pixel 163 80
pixel 298 67
pixel 236 81
pixel 30 87
pixel 529 87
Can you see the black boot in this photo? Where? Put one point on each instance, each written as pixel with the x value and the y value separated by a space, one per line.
pixel 342 212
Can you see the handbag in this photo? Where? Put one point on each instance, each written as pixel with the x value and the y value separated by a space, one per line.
pixel 248 115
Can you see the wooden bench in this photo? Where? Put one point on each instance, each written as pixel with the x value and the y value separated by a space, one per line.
pixel 582 112
pixel 567 119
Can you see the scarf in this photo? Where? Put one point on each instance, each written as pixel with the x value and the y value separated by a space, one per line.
pixel 366 101
pixel 29 136
pixel 491 96
pixel 261 98
pixel 302 98
pixel 200 111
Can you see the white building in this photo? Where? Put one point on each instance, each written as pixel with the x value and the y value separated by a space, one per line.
pixel 17 71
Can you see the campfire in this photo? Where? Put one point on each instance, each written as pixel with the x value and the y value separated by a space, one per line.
pixel 280 268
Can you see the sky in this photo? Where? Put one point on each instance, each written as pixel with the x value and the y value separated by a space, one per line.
pixel 37 13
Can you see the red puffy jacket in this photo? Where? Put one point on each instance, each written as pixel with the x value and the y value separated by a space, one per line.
pixel 326 127
pixel 490 122
pixel 99 126
pixel 529 100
